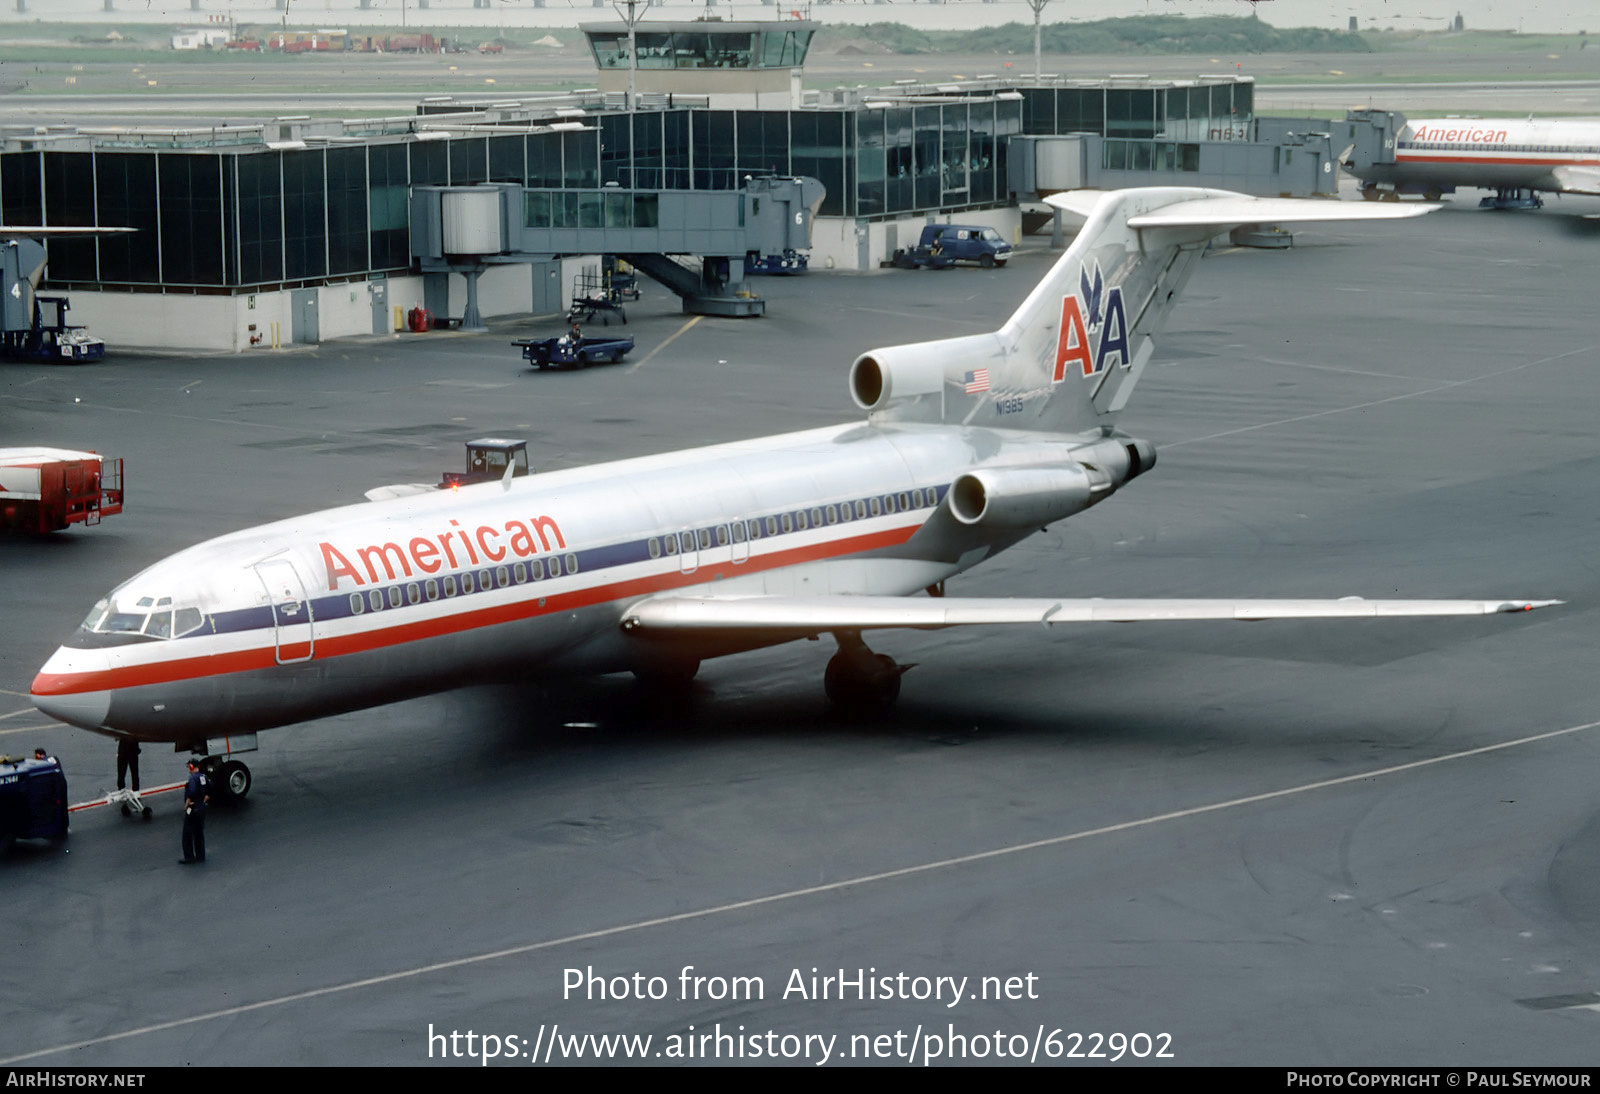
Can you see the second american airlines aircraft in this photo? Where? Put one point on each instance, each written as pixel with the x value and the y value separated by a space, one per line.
pixel 657 563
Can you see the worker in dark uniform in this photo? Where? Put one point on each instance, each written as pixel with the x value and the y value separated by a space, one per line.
pixel 127 764
pixel 196 796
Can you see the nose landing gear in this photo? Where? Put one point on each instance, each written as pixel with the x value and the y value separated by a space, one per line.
pixel 860 682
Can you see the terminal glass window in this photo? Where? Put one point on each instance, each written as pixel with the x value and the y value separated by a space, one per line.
pixel 305 239
pixel 469 161
pixel 69 195
pixel 616 210
pixel 675 150
pixel 925 149
pixel 535 209
pixel 21 199
pixel 647 158
pixel 580 159
pixel 506 155
pixel 616 150
pixel 610 50
pixel 260 196
pixel 900 164
pixel 784 49
pixel 430 163
pixel 347 210
pixel 646 210
pixel 191 218
pixel 544 159
pixel 1038 110
pixel 655 49
pixel 388 203
pixel 953 163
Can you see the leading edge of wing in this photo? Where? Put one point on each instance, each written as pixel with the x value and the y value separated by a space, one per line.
pixel 831 613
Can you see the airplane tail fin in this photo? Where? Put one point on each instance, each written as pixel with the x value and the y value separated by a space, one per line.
pixel 1068 359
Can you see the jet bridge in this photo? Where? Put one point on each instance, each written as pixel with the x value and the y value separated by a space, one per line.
pixel 692 241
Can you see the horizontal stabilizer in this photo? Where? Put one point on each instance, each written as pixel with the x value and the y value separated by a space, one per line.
pixel 832 613
pixel 401 490
pixel 1227 210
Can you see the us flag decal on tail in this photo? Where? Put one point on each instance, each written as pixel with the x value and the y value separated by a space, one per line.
pixel 976 381
pixel 1091 340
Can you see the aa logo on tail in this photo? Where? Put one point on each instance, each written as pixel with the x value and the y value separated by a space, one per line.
pixel 1089 335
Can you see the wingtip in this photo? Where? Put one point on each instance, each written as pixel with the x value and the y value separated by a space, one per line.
pixel 1528 605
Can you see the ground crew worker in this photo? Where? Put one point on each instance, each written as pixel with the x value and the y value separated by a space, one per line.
pixel 196 796
pixel 127 764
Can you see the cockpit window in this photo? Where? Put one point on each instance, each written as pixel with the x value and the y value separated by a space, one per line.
pixel 153 617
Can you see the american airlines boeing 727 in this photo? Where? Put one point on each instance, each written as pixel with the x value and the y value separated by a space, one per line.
pixel 654 564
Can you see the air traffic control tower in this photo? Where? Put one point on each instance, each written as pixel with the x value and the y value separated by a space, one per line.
pixel 737 65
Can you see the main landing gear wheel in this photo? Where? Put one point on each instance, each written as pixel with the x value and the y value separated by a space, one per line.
pixel 235 778
pixel 230 779
pixel 860 682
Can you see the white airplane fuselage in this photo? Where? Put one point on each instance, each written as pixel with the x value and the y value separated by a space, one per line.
pixel 368 603
pixel 1491 153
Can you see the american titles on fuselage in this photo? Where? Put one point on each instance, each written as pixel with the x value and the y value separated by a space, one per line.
pixel 430 559
pixel 1089 334
pixel 1464 135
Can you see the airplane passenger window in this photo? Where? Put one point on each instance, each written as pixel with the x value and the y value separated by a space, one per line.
pixel 772 524
pixel 816 518
pixel 788 523
pixel 755 528
pixel 536 567
pixel 686 540
pixel 833 514
pixel 655 547
pixel 374 599
pixel 671 543
pixel 555 565
pixel 905 502
pixel 413 593
pixel 520 572
pixel 844 511
pixel 738 532
pixel 705 538
pixel 357 605
pixel 449 585
pixel 502 575
pixel 467 583
pixel 394 596
pixel 875 505
pixel 861 510
pixel 722 535
pixel 485 580
pixel 431 587
pixel 888 503
pixel 572 564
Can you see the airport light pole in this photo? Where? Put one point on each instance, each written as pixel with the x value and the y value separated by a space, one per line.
pixel 632 19
pixel 1038 9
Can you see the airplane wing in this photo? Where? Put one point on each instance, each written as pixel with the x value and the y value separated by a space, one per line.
pixel 819 614
pixel 1577 179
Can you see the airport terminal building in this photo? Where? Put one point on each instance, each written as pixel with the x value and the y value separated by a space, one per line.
pixel 301 229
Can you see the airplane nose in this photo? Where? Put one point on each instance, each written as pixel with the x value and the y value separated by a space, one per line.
pixel 58 691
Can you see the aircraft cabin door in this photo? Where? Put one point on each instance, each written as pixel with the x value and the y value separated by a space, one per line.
pixel 291 611
pixel 688 553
